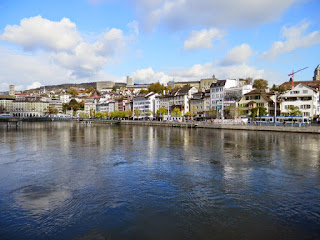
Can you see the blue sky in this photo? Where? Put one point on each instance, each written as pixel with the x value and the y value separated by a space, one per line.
pixel 53 42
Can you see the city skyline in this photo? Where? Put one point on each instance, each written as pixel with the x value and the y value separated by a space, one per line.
pixel 55 42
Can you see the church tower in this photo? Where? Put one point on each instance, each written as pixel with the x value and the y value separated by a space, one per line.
pixel 316 76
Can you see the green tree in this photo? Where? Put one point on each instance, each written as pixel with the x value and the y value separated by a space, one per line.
pixel 260 84
pixel 137 112
pixel 161 111
pixel 52 111
pixel 188 114
pixel 248 80
pixel 128 113
pixel 176 112
pixel 143 91
pixel 294 111
pixel 258 112
pixel 99 115
pixel 73 92
pixel 90 90
pixel 156 88
pixel 211 113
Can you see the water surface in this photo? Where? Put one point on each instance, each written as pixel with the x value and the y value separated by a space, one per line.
pixel 71 181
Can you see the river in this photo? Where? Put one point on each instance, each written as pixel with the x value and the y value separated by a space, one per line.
pixel 72 181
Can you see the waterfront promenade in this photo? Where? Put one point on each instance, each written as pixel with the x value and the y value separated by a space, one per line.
pixel 247 127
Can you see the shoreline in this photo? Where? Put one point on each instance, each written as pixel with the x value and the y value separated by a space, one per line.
pixel 309 129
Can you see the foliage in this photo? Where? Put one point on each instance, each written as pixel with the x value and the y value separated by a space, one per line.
pixel 128 113
pixel 188 114
pixel 143 91
pixel 73 92
pixel 258 112
pixel 137 112
pixel 260 84
pixel 52 111
pixel 161 111
pixel 293 111
pixel 156 88
pixel 148 113
pixel 211 113
pixel 249 80
pixel 99 115
pixel 90 90
pixel 284 88
pixel 73 104
pixel 117 114
pixel 176 112
pixel 275 88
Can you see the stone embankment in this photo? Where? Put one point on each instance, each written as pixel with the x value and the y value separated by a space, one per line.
pixel 246 127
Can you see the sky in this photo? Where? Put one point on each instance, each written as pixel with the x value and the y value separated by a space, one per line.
pixel 49 42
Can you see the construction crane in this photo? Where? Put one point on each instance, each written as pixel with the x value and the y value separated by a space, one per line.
pixel 292 75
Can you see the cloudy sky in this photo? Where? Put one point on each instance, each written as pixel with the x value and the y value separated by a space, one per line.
pixel 57 41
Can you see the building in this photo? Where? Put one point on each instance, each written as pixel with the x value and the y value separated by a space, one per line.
pixel 178 98
pixel 30 108
pixel 104 86
pixel 205 83
pixel 195 84
pixel 304 97
pixel 11 90
pixel 145 104
pixel 316 76
pixel 258 98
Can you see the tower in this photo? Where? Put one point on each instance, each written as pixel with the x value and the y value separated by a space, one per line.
pixel 316 76
pixel 129 81
pixel 11 90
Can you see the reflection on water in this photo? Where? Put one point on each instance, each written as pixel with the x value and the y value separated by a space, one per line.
pixel 70 181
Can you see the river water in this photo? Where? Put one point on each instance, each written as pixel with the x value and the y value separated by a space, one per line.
pixel 72 181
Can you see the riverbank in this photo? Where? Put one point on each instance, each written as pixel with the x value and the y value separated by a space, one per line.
pixel 247 127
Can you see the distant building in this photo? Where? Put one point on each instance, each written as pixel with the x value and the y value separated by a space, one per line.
pixel 129 81
pixel 316 76
pixel 11 90
pixel 105 85
pixel 303 97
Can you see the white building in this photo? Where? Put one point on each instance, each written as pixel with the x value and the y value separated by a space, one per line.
pixel 304 97
pixel 178 98
pixel 146 104
pixel 226 92
pixel 65 98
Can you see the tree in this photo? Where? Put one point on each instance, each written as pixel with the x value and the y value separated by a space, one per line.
pixel 188 114
pixel 248 80
pixel 176 112
pixel 137 112
pixel 294 111
pixel 73 92
pixel 260 84
pixel 275 88
pixel 52 111
pixel 156 88
pixel 211 113
pixel 90 90
pixel 258 112
pixel 99 115
pixel 143 91
pixel 161 111
pixel 128 113
pixel 148 113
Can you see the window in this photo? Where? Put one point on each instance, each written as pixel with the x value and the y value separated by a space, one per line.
pixel 305 91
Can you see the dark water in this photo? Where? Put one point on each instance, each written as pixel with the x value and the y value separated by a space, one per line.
pixel 70 181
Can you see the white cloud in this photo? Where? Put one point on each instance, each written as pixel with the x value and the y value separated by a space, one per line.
pixel 294 38
pixel 88 59
pixel 39 33
pixel 34 85
pixel 63 44
pixel 202 38
pixel 237 55
pixel 197 72
pixel 147 75
pixel 179 14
